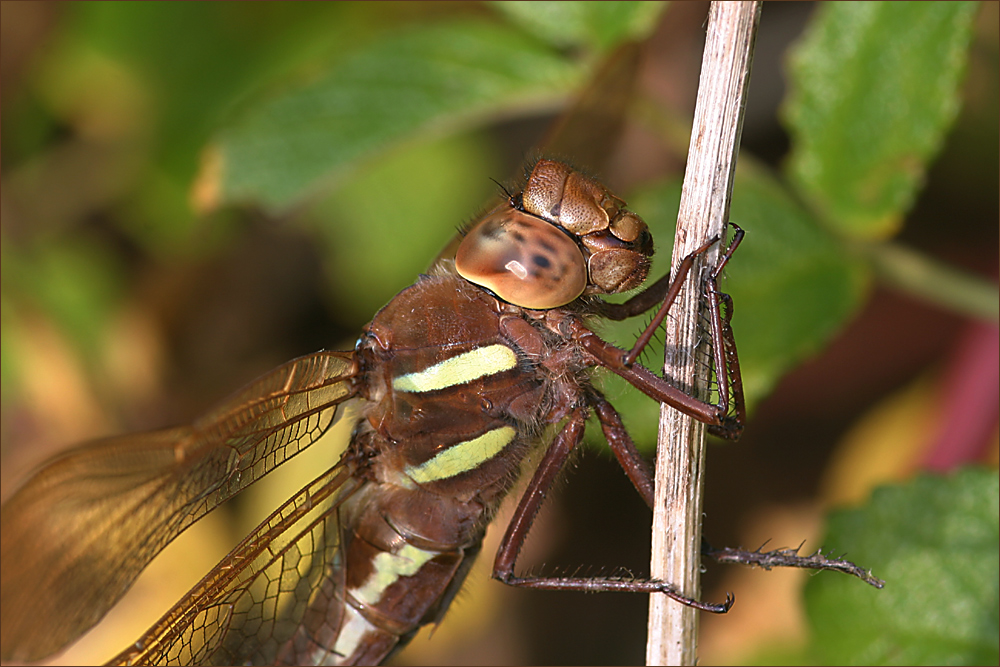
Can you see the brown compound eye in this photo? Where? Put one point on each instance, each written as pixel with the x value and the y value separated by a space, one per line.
pixel 523 260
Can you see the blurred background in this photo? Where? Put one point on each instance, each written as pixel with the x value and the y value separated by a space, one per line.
pixel 127 305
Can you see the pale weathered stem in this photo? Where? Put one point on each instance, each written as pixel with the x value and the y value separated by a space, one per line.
pixel 704 209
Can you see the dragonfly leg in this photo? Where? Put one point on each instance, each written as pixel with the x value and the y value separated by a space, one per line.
pixel 635 466
pixel 534 495
pixel 662 292
pixel 716 417
pixel 727 363
pixel 553 461
pixel 672 288
pixel 725 358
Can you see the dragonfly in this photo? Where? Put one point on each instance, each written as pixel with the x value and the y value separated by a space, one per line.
pixel 459 377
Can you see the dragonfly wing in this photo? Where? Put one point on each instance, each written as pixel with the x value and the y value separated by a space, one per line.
pixel 78 533
pixel 261 598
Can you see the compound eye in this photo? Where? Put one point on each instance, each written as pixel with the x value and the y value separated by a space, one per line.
pixel 523 260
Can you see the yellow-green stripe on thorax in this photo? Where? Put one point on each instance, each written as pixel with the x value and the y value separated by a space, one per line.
pixel 462 456
pixel 462 368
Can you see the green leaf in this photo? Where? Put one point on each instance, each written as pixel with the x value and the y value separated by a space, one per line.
pixel 120 72
pixel 874 89
pixel 225 51
pixel 595 25
pixel 792 286
pixel 934 541
pixel 428 81
pixel 390 240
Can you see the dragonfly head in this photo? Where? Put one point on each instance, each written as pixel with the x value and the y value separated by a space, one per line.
pixel 564 236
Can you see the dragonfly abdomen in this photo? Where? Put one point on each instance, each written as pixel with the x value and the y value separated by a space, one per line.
pixel 391 580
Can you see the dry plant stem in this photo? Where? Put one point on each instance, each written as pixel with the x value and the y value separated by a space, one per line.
pixel 704 209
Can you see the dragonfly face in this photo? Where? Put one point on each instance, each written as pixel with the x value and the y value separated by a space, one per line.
pixel 459 375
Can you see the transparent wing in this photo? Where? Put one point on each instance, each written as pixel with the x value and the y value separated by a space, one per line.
pixel 274 599
pixel 78 533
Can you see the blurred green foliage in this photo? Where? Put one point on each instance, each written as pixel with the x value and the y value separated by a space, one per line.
pixel 874 90
pixel 935 540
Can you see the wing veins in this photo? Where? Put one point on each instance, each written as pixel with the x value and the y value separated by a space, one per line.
pixel 69 555
pixel 172 636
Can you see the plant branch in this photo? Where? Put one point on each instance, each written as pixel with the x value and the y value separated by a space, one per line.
pixel 704 209
pixel 931 280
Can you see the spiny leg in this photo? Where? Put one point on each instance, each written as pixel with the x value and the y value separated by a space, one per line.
pixel 668 301
pixel 635 466
pixel 727 364
pixel 534 495
pixel 607 355
pixel 674 289
pixel 723 346
pixel 662 292
pixel 553 461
